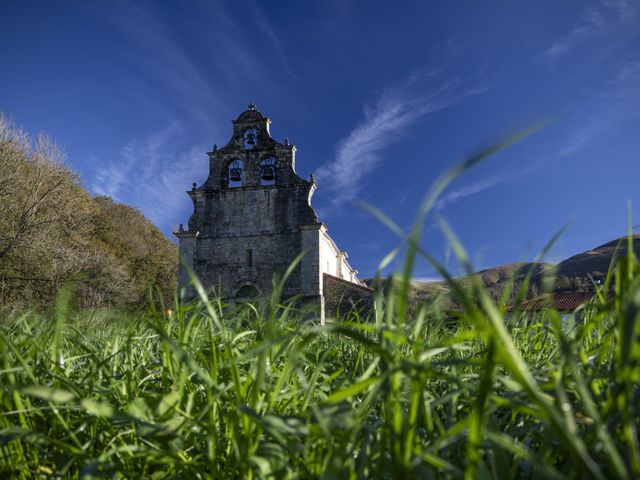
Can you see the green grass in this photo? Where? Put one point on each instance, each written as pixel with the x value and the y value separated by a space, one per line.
pixel 206 392
pixel 256 392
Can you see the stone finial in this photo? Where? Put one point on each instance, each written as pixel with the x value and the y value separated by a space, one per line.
pixel 180 229
pixel 215 147
pixel 286 140
pixel 312 178
pixel 194 185
pixel 252 106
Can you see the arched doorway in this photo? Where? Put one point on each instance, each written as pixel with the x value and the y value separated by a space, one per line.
pixel 247 292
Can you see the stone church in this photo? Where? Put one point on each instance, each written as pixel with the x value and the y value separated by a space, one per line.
pixel 252 217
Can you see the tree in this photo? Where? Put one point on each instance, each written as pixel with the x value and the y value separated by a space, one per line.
pixel 52 231
pixel 44 215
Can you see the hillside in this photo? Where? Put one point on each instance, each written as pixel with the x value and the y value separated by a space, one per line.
pixel 493 278
pixel 54 233
pixel 572 274
pixel 574 271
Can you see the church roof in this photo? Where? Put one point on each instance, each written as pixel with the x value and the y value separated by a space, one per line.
pixel 559 301
pixel 250 115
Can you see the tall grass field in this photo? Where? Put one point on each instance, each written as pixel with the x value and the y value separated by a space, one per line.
pixel 208 392
pixel 260 391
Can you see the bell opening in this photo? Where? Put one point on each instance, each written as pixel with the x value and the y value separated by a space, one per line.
pixel 250 138
pixel 235 175
pixel 268 174
pixel 268 171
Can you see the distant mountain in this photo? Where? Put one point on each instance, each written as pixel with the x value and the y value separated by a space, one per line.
pixel 596 262
pixel 575 274
pixel 493 278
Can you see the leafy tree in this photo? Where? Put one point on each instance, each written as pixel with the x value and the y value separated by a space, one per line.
pixel 52 231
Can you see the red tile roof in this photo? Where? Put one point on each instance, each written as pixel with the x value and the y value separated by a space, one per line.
pixel 561 301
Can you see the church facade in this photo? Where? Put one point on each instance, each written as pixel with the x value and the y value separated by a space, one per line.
pixel 253 217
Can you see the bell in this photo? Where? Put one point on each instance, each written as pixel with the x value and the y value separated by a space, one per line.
pixel 235 175
pixel 251 139
pixel 268 174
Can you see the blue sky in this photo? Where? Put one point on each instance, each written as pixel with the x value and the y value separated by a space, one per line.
pixel 379 97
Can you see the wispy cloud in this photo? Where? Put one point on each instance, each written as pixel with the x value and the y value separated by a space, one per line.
pixel 157 59
pixel 490 182
pixel 596 19
pixel 593 22
pixel 360 152
pixel 472 189
pixel 265 25
pixel 628 73
pixel 565 44
pixel 624 85
pixel 588 130
pixel 173 57
pixel 611 103
pixel 626 10
pixel 153 175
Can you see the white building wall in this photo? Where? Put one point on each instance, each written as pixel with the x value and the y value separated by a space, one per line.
pixel 333 261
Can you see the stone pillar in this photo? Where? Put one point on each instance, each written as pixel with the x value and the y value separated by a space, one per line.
pixel 311 282
pixel 186 252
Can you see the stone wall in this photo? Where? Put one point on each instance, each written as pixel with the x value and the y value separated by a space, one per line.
pixel 342 296
pixel 251 211
pixel 229 263
pixel 186 251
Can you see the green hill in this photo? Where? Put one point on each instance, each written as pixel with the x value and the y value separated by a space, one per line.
pixel 54 233
pixel 575 274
